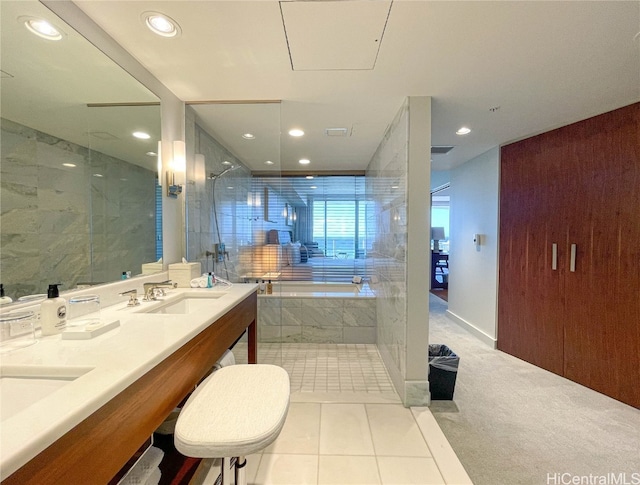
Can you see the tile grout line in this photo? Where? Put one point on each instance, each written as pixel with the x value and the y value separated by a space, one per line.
pixel 429 447
pixel 373 443
pixel 319 443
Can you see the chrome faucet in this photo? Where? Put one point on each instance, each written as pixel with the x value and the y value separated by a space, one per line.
pixel 133 297
pixel 150 289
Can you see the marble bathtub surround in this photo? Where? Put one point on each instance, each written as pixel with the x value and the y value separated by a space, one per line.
pixel 318 320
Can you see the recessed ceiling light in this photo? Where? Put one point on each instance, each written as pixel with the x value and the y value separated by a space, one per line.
pixel 41 28
pixel 248 136
pixel 226 162
pixel 268 162
pixel 463 131
pixel 70 165
pixel 296 132
pixel 141 135
pixel 309 177
pixel 229 187
pixel 161 24
pixel 394 186
pixel 99 175
pixel 313 187
pixel 151 154
pixel 304 161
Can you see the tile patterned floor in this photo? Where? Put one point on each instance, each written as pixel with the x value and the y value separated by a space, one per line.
pixel 346 424
pixel 327 367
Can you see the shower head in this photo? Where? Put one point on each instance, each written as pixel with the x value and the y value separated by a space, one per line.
pixel 213 176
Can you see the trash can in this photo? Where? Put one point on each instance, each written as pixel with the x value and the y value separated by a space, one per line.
pixel 443 370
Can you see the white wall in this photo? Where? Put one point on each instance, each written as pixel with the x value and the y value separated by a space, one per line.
pixel 440 178
pixel 473 271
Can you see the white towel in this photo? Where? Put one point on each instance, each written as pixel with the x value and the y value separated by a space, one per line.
pixel 227 359
pixel 144 468
pixel 199 282
pixel 154 479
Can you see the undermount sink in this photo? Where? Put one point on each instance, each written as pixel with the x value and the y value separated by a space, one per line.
pixel 188 303
pixel 23 385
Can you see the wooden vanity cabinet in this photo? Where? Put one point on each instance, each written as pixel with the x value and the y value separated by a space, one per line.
pixel 97 448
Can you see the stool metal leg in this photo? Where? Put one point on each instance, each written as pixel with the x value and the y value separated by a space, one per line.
pixel 228 465
pixel 241 471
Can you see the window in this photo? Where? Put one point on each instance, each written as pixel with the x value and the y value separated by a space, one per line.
pixel 332 223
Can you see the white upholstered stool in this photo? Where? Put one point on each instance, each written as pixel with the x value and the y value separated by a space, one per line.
pixel 236 411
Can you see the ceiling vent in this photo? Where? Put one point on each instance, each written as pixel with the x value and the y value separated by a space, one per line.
pixel 441 149
pixel 336 131
pixel 103 135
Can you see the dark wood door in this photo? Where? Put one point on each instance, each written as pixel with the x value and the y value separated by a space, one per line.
pixel 531 297
pixel 602 328
pixel 578 186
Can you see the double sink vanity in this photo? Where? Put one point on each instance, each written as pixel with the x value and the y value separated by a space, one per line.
pixel 75 411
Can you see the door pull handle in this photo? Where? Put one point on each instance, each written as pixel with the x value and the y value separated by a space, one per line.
pixel 572 263
pixel 554 256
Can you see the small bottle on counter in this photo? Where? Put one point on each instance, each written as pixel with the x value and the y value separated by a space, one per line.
pixel 124 275
pixel 53 312
pixel 4 299
pixel 262 287
pixel 269 288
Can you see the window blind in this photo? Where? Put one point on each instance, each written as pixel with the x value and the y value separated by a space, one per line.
pixel 332 230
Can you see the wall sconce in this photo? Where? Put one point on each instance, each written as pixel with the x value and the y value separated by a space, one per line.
pixel 176 174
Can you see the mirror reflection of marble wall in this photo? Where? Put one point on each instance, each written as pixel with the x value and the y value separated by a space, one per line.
pixel 69 225
pixel 61 224
pixel 230 194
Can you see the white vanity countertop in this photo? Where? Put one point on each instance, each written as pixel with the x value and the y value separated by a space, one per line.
pixel 116 358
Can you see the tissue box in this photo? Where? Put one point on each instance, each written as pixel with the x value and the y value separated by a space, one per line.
pixel 150 268
pixel 183 273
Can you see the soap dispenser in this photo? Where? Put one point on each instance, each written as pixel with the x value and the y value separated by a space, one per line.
pixel 53 312
pixel 4 299
pixel 269 288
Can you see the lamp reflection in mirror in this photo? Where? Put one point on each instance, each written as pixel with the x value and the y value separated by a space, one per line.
pixel 437 234
pixel 199 175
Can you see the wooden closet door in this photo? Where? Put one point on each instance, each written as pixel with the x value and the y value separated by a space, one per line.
pixel 602 327
pixel 530 296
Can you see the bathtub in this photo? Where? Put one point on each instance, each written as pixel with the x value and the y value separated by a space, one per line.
pixel 317 312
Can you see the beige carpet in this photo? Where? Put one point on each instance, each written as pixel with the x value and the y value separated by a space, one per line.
pixel 512 423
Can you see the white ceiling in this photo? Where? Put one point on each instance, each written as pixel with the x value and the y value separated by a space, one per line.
pixel 49 84
pixel 545 64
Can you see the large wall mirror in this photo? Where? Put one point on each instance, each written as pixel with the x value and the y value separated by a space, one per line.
pixel 79 203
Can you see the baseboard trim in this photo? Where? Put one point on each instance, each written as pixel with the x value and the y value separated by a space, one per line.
pixel 475 331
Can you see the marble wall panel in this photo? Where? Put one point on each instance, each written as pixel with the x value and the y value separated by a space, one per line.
pixel 362 315
pixel 202 232
pixel 63 215
pixel 389 166
pixel 359 335
pixel 336 315
pixel 324 335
